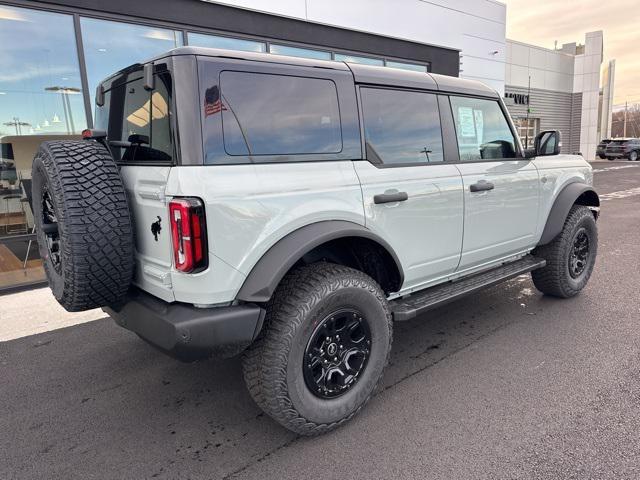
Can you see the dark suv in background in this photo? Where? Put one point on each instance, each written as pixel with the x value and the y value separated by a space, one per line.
pixel 602 147
pixel 623 148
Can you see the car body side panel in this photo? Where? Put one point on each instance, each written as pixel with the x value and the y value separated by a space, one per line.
pixel 250 207
pixel 556 172
pixel 503 221
pixel 425 230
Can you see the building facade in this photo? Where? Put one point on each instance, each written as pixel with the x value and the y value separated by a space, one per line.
pixel 559 89
pixel 54 53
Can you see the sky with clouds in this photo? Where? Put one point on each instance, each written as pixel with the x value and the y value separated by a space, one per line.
pixel 541 22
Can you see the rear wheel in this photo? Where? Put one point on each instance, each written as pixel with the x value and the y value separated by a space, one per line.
pixel 633 156
pixel 83 225
pixel 323 349
pixel 570 256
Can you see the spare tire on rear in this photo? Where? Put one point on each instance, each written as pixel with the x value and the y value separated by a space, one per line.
pixel 83 223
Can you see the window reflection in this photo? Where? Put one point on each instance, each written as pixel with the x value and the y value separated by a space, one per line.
pixel 111 46
pixel 40 99
pixel 356 59
pixel 299 52
pixel 215 41
pixel 277 115
pixel 40 78
pixel 401 127
pixel 407 66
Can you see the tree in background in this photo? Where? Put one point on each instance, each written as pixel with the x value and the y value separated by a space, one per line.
pixel 633 122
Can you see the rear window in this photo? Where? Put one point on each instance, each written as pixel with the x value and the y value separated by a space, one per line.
pixel 266 114
pixel 138 121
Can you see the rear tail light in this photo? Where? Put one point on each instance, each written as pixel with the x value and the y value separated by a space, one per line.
pixel 188 234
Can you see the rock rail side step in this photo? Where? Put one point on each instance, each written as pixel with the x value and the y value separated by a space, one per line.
pixel 413 305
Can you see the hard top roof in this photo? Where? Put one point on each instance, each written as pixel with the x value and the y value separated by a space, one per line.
pixel 364 74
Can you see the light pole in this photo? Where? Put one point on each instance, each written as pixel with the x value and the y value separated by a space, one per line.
pixel 66 104
pixel 18 125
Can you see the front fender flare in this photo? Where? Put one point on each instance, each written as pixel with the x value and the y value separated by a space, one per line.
pixel 265 276
pixel 574 192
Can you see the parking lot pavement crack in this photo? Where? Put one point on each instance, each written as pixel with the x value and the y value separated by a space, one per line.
pixel 449 355
pixel 266 455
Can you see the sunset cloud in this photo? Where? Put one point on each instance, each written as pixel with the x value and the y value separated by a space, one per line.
pixel 545 21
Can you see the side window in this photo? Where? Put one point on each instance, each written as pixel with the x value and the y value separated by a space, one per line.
pixel 266 114
pixel 401 127
pixel 482 130
pixel 139 120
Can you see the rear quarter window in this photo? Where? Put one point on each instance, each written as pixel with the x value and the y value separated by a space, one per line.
pixel 268 114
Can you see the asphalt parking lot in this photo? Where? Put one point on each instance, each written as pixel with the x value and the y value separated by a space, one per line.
pixel 503 384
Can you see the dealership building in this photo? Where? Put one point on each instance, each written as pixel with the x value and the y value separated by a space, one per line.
pixel 55 52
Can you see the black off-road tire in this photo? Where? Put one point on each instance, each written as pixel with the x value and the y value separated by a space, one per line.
pixel 555 278
pixel 273 364
pixel 94 263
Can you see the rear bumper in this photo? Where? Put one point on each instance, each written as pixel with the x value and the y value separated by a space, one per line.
pixel 186 332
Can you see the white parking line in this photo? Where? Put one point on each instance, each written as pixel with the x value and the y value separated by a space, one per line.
pixel 608 169
pixel 632 192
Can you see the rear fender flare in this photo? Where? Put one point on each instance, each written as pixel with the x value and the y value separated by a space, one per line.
pixel 265 276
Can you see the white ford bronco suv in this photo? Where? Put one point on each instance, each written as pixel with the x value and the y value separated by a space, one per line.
pixel 292 210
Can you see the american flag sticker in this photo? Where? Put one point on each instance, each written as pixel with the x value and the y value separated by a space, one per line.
pixel 212 102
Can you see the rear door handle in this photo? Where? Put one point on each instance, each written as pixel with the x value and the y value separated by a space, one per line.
pixel 481 186
pixel 390 197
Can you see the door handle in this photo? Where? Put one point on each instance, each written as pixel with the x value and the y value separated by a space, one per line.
pixel 390 197
pixel 481 186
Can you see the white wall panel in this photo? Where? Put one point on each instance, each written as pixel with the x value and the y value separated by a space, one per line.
pixel 475 27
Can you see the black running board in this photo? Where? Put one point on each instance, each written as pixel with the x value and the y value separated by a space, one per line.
pixel 413 305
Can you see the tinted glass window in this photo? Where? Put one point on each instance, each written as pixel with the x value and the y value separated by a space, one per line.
pixel 266 114
pixel 401 127
pixel 482 130
pixel 215 41
pixel 140 119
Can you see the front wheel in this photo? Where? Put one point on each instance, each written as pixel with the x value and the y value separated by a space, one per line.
pixel 323 349
pixel 633 156
pixel 570 257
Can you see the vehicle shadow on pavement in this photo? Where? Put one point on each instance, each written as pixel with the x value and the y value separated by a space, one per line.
pixel 95 397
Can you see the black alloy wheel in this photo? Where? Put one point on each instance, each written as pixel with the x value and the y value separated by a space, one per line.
pixel 337 353
pixel 50 230
pixel 325 343
pixel 579 255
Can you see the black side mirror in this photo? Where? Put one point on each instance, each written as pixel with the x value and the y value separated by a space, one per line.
pixel 547 143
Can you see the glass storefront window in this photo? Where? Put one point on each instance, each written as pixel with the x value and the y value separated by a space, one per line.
pixel 111 46
pixel 407 66
pixel 215 41
pixel 40 99
pixel 40 84
pixel 299 52
pixel 355 59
